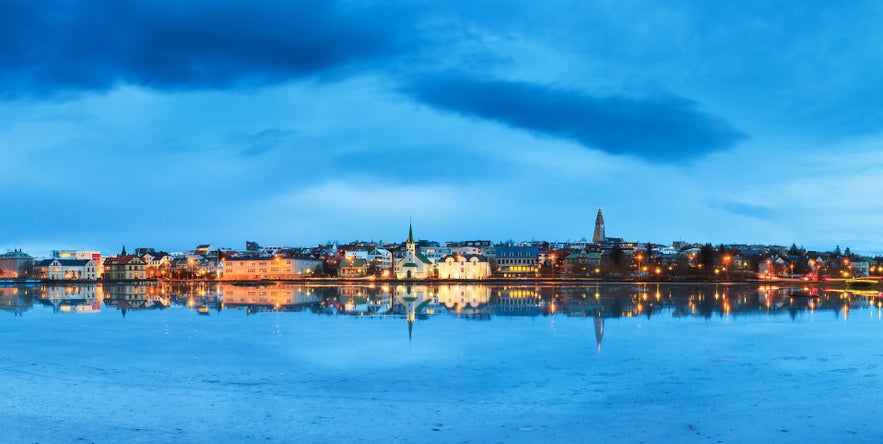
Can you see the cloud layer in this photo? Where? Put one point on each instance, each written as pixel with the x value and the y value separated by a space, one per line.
pixel 66 46
pixel 661 128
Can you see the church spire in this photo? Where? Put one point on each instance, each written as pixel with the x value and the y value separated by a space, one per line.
pixel 600 235
pixel 410 233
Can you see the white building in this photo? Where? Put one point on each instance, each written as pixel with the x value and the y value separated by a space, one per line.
pixel 68 269
pixel 464 267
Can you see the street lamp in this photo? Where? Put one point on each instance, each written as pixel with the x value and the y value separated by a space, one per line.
pixel 553 266
pixel 727 259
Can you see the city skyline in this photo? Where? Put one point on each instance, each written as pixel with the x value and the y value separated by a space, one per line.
pixel 164 125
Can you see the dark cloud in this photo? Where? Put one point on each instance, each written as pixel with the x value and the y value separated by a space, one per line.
pixel 62 46
pixel 663 127
pixel 748 210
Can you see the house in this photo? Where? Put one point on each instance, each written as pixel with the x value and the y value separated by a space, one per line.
pixel 15 264
pixel 860 269
pixel 158 263
pixel 517 261
pixel 67 269
pixel 464 266
pixel 474 247
pixel 582 263
pixel 412 264
pixel 352 267
pixel 382 260
pixel 128 267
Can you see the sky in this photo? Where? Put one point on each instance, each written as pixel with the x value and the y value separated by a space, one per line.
pixel 171 124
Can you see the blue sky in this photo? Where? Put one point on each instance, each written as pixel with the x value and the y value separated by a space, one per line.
pixel 169 124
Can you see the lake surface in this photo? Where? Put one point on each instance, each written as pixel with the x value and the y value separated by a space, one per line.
pixel 441 363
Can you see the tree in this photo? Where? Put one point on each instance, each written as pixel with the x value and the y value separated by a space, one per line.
pixel 706 257
pixel 837 251
pixel 793 251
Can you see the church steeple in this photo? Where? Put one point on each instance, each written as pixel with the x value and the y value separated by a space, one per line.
pixel 409 244
pixel 600 235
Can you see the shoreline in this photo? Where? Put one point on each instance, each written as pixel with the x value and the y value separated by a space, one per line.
pixel 836 283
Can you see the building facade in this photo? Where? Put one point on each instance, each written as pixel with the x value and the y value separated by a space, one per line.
pixel 67 269
pixel 467 267
pixel 268 268
pixel 127 267
pixel 515 262
pixel 15 264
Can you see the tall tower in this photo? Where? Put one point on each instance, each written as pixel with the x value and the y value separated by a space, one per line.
pixel 599 235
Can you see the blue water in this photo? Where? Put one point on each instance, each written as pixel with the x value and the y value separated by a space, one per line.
pixel 524 363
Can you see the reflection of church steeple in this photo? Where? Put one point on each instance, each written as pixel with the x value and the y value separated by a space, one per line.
pixel 599 329
pixel 410 308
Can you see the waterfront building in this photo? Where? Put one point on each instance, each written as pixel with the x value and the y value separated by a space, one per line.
pixel 125 267
pixel 517 262
pixel 412 264
pixel 15 264
pixel 268 268
pixel 463 266
pixel 67 269
pixel 94 255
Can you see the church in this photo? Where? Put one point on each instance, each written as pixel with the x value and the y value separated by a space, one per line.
pixel 413 265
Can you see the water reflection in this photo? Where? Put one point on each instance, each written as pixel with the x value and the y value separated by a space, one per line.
pixel 467 301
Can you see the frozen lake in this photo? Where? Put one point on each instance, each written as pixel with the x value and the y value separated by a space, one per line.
pixel 450 363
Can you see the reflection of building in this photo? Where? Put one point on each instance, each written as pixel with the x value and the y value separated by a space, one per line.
pixel 464 267
pixel 16 299
pixel 516 302
pixel 71 298
pixel 465 299
pixel 282 297
pixel 134 297
pixel 67 269
pixel 413 265
pixel 268 268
